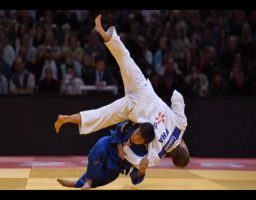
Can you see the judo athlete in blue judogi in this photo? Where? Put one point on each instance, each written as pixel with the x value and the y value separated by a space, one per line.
pixel 106 160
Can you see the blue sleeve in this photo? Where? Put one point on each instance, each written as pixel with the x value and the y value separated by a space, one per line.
pixel 135 180
pixel 116 136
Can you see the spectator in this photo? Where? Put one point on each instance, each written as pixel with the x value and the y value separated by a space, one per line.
pixel 8 50
pixel 159 55
pixel 26 42
pixel 180 45
pixel 227 58
pixel 239 83
pixel 210 62
pixel 198 82
pixel 48 85
pixel 38 35
pixel 69 60
pixel 49 62
pixel 209 40
pixel 21 82
pixel 218 86
pixel 94 47
pixel 101 76
pixel 70 83
pixel 87 68
pixel 3 84
pixel 247 47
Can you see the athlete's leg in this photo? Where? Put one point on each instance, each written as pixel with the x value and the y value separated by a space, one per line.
pixel 131 74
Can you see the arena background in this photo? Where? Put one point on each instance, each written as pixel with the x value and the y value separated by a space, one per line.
pixel 207 55
pixel 217 127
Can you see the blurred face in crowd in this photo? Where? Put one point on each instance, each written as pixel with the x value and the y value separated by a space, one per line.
pixel 211 53
pixel 222 34
pixel 48 17
pixel 70 73
pixel 23 29
pixel 49 38
pixel 26 39
pixel 253 15
pixel 100 65
pixel 48 53
pixel 194 72
pixel 87 60
pixel 194 45
pixel 217 79
pixel 238 59
pixel 239 15
pixel 178 31
pixel 169 64
pixel 188 58
pixel 73 42
pixel 232 43
pixel 19 65
pixel 24 13
pixel 246 32
pixel 163 43
pixel 69 60
pixel 221 21
pixel 238 77
pixel 39 30
pixel 94 38
pixel 23 52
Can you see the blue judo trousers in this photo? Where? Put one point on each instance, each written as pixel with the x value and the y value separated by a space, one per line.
pixel 104 164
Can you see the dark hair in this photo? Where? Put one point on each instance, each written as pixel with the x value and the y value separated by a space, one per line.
pixel 69 66
pixel 147 132
pixel 180 156
pixel 99 58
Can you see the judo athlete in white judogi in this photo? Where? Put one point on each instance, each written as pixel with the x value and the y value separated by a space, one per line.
pixel 140 104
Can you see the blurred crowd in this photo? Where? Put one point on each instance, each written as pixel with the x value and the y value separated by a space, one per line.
pixel 199 53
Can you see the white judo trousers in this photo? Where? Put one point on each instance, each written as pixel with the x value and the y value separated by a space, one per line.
pixel 140 104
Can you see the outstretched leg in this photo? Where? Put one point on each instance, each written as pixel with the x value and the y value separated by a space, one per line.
pixel 93 120
pixel 131 74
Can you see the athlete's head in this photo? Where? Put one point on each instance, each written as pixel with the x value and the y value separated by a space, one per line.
pixel 144 134
pixel 180 155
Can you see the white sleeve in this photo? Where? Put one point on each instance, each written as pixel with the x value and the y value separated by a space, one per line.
pixel 135 160
pixel 132 157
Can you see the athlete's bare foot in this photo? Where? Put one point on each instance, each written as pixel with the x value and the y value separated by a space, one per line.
pixel 66 183
pixel 98 25
pixel 87 185
pixel 60 121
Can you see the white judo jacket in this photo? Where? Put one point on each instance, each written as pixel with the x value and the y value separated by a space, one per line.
pixel 140 104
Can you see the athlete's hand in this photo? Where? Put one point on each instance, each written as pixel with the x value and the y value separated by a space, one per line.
pixel 121 154
pixel 144 164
